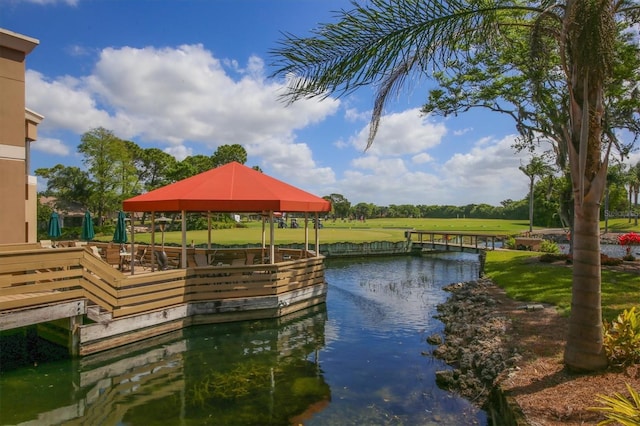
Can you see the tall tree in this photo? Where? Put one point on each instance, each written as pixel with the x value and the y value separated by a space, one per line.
pixel 199 163
pixel 128 177
pixel 69 185
pixel 103 156
pixel 382 43
pixel 226 154
pixel 154 166
pixel 633 181
pixel 339 204
pixel 616 176
pixel 536 168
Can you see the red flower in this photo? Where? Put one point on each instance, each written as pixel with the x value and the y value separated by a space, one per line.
pixel 629 239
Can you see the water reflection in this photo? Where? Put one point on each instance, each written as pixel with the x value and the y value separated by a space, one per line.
pixel 376 356
pixel 263 372
pixel 361 359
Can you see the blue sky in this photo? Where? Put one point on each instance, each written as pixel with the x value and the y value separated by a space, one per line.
pixel 188 76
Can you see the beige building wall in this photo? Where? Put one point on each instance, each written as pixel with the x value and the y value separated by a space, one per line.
pixel 32 119
pixel 16 219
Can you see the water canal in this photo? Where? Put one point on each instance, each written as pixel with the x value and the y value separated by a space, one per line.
pixel 361 359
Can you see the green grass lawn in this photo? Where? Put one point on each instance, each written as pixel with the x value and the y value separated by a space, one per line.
pixel 524 278
pixel 358 231
pixel 342 231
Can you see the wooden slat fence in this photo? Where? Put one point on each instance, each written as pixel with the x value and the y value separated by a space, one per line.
pixel 37 276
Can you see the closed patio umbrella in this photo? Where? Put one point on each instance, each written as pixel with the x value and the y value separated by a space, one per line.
pixel 120 235
pixel 54 226
pixel 87 227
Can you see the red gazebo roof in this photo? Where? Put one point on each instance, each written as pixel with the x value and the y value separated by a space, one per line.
pixel 232 187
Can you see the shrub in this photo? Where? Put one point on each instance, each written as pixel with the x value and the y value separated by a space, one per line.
pixel 604 259
pixel 619 409
pixel 622 338
pixel 553 257
pixel 609 261
pixel 548 246
pixel 510 243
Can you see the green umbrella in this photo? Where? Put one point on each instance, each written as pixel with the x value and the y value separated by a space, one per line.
pixel 54 226
pixel 87 227
pixel 120 236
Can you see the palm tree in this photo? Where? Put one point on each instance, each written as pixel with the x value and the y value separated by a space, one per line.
pixel 615 176
pixel 536 168
pixel 383 42
pixel 633 180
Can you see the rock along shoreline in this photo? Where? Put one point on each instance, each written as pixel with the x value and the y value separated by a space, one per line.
pixel 474 342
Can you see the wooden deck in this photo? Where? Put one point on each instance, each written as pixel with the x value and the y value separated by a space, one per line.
pixel 107 307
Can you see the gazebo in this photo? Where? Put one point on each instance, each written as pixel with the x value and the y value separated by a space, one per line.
pixel 231 188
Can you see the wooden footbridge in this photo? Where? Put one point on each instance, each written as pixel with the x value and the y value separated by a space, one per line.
pixel 445 241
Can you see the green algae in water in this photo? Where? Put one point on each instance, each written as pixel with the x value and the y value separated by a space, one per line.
pixel 254 393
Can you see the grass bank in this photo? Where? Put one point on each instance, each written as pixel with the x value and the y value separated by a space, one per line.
pixel 525 278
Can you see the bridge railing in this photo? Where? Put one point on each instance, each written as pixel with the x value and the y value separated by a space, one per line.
pixel 451 239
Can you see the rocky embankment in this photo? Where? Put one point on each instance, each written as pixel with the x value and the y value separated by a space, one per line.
pixel 474 342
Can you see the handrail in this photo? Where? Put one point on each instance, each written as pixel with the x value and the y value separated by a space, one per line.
pixel 34 277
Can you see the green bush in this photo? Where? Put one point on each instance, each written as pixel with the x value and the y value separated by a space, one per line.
pixel 609 261
pixel 548 246
pixel 510 243
pixel 553 257
pixel 618 409
pixel 622 338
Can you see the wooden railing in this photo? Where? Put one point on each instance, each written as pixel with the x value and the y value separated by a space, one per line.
pixel 453 240
pixel 35 277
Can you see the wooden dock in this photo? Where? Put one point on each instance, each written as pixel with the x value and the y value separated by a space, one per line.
pixel 105 308
pixel 445 241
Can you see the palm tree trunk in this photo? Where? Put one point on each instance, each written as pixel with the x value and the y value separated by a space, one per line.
pixel 531 205
pixel 584 350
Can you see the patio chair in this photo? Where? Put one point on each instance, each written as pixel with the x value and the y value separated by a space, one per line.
pixel 112 255
pixel 238 261
pixel 46 243
pixel 95 251
pixel 201 259
pixel 140 258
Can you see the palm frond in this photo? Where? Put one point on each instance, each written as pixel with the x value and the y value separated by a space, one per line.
pixel 370 43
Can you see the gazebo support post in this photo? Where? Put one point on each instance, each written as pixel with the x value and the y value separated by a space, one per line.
pixel 306 233
pixel 317 236
pixel 209 233
pixel 153 241
pixel 184 240
pixel 272 251
pixel 131 259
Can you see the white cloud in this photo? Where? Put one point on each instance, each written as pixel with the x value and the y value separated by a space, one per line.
pixel 353 115
pixel 406 132
pixel 461 132
pixel 180 152
pixel 186 101
pixel 51 146
pixel 65 103
pixel 422 158
pixel 487 174
pixel 169 96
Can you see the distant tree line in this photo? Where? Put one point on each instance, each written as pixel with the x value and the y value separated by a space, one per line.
pixel 623 191
pixel 117 169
